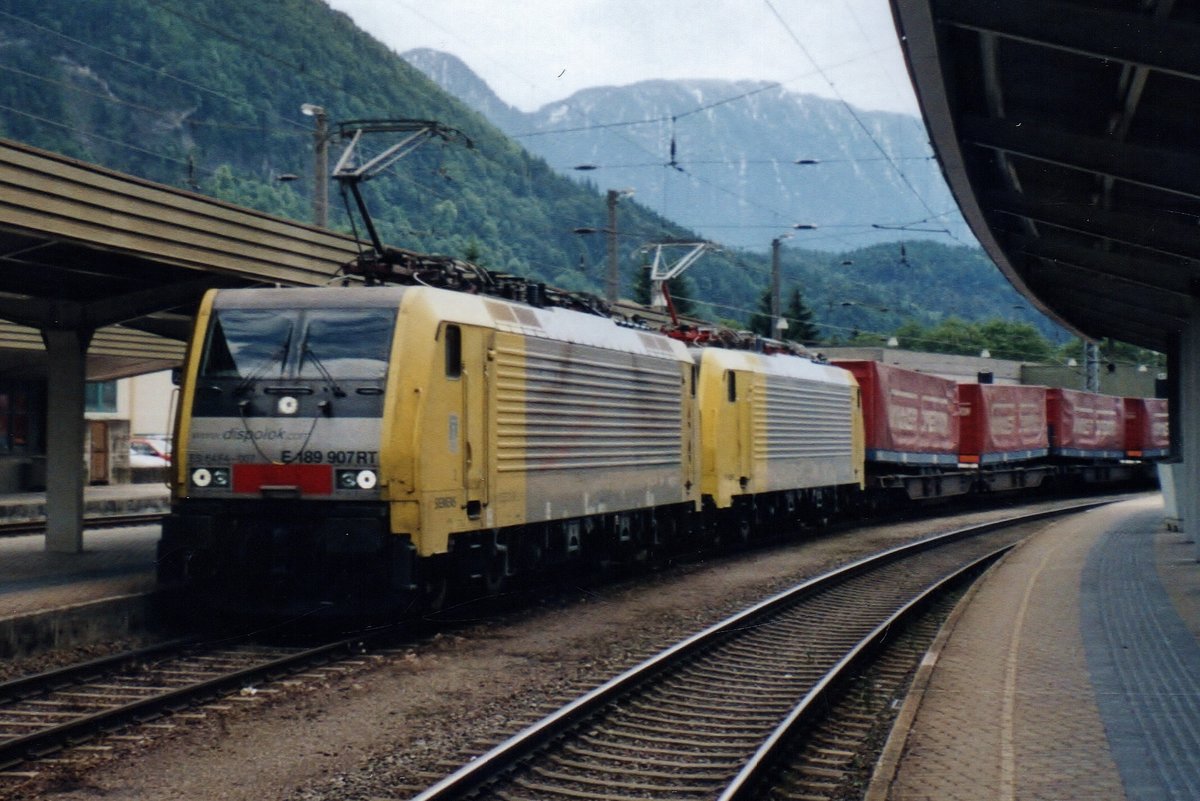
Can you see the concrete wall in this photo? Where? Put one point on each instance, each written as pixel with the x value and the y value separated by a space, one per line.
pixel 964 369
pixel 1125 380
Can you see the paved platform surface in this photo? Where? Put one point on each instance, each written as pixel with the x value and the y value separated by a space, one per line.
pixel 1071 672
pixel 114 562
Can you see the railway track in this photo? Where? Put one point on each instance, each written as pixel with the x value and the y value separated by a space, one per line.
pixel 623 733
pixel 720 714
pixel 47 713
pixel 91 521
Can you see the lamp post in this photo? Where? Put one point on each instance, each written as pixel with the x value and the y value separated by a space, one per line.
pixel 778 324
pixel 320 163
pixel 612 282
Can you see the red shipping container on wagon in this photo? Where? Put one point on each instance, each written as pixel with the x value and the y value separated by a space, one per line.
pixel 909 417
pixel 1085 425
pixel 1001 423
pixel 1147 428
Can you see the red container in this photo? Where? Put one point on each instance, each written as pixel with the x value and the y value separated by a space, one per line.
pixel 1085 425
pixel 909 417
pixel 1001 423
pixel 1147 428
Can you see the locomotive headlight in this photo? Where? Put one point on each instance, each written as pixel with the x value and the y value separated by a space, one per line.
pixel 215 477
pixel 357 479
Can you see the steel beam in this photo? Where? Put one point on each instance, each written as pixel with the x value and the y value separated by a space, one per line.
pixel 1110 35
pixel 1141 272
pixel 1155 167
pixel 1154 235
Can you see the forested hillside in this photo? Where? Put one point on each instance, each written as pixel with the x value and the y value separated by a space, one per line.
pixel 206 94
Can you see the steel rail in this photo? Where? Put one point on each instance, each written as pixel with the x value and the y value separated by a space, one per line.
pixel 55 738
pixel 57 678
pixel 496 761
pixel 762 762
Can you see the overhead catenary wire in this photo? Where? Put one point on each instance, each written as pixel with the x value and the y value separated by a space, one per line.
pixel 850 109
pixel 302 130
pixel 242 42
pixel 948 347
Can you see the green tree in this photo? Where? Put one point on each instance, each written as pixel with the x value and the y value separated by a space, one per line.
pixel 1020 341
pixel 1003 339
pixel 798 316
pixel 760 321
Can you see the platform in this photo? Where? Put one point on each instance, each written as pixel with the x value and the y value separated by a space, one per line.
pixel 1071 671
pixel 52 599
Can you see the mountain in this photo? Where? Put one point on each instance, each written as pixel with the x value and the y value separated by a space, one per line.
pixel 180 92
pixel 456 79
pixel 721 157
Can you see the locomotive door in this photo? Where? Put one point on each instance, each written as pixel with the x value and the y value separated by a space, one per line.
pixel 475 345
pixel 745 427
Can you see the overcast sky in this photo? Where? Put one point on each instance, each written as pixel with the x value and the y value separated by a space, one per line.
pixel 534 52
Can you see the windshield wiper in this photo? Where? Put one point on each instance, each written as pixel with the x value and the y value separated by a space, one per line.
pixel 261 367
pixel 307 351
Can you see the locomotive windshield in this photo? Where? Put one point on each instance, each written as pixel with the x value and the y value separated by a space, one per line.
pixel 299 343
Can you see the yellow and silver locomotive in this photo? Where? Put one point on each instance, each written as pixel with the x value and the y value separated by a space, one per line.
pixel 359 448
pixel 363 450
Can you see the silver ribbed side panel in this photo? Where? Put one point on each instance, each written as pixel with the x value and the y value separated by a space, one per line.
pixel 589 408
pixel 803 419
pixel 587 430
pixel 804 433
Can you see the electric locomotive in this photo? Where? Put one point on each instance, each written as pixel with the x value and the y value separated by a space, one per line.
pixel 361 449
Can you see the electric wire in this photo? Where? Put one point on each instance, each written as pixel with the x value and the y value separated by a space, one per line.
pixel 242 42
pixel 850 110
pixel 302 130
pixel 858 334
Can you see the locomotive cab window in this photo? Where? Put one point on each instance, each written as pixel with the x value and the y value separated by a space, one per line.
pixel 247 342
pixel 345 343
pixel 253 343
pixel 453 342
pixel 731 385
